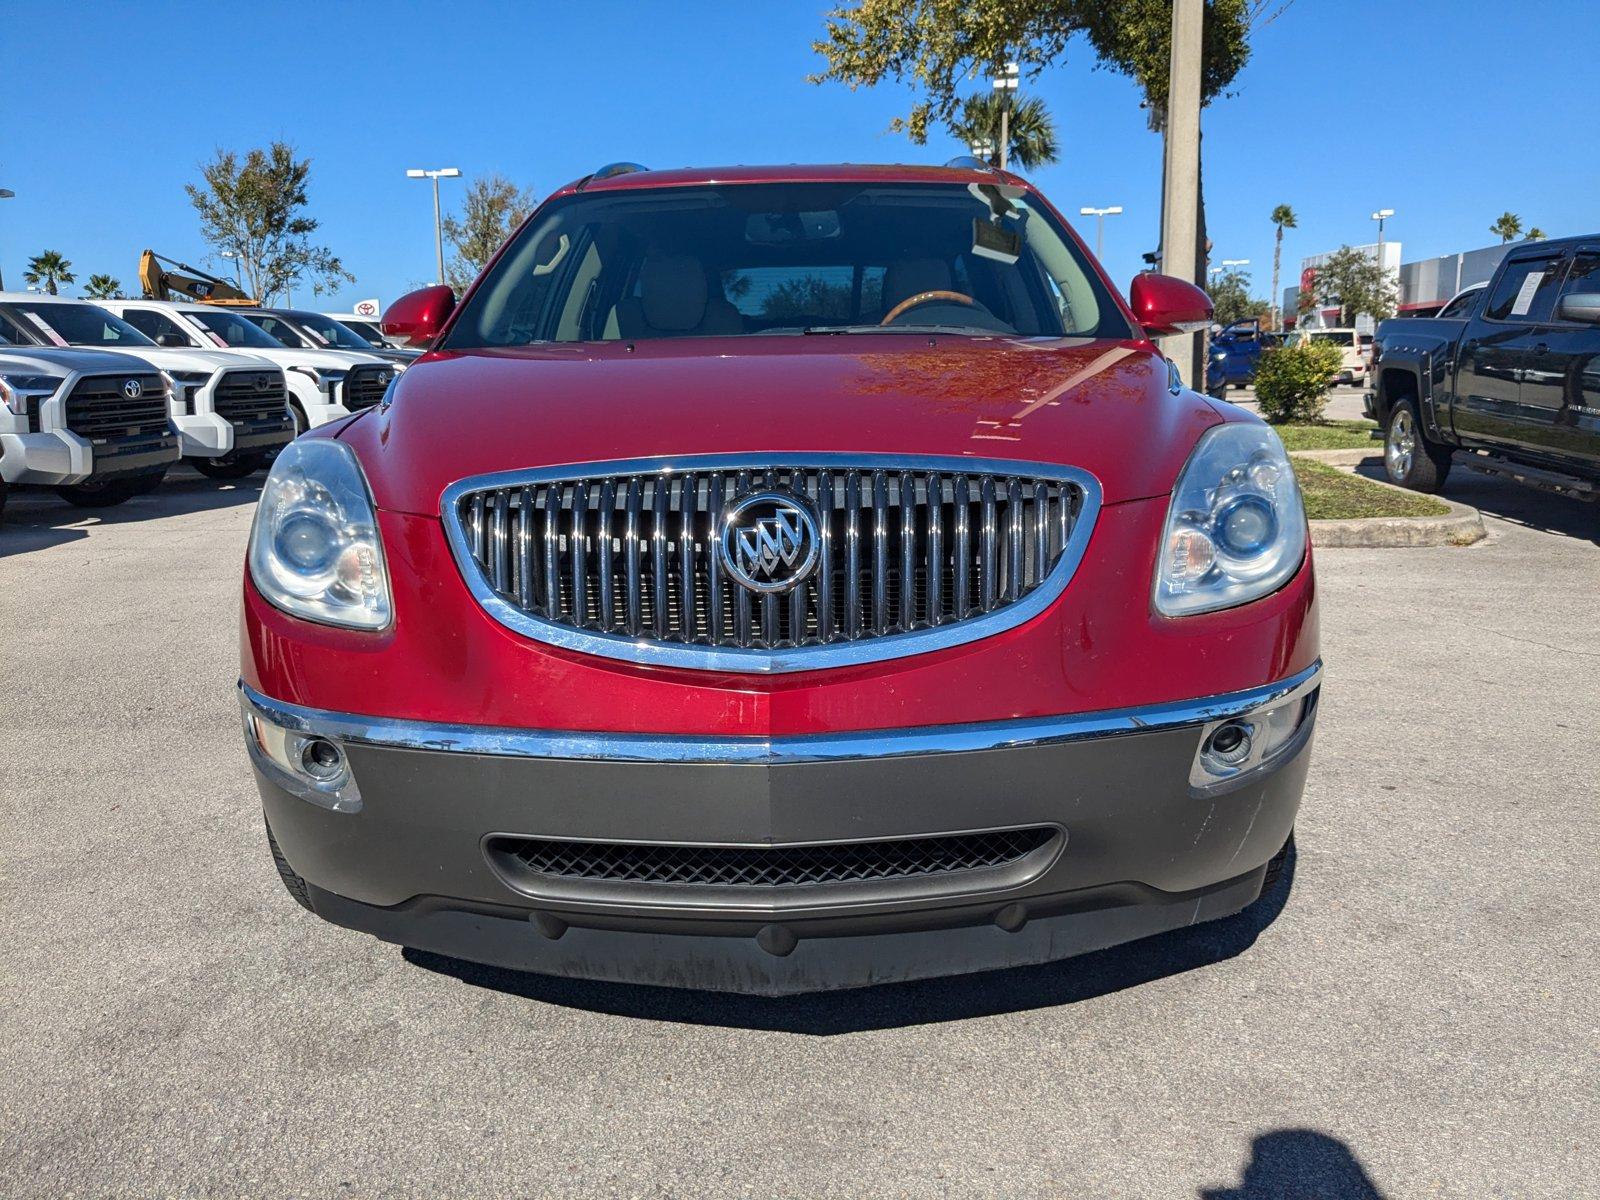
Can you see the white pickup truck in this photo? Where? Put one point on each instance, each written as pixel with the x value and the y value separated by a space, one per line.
pixel 91 424
pixel 324 385
pixel 231 409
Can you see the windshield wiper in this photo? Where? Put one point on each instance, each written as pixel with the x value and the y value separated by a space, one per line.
pixel 963 330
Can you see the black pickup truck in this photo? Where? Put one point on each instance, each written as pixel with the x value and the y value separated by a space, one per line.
pixel 1506 379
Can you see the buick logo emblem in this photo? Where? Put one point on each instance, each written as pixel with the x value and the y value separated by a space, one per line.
pixel 769 542
pixel 133 389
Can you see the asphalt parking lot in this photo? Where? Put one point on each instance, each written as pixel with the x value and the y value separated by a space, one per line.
pixel 1412 1013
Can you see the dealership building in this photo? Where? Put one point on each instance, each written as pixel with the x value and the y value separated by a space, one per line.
pixel 1425 286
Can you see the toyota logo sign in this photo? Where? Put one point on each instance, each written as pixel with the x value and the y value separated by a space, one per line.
pixel 133 389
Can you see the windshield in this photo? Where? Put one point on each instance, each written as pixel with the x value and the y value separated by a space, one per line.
pixel 81 325
pixel 751 259
pixel 232 330
pixel 367 330
pixel 332 332
pixel 1341 337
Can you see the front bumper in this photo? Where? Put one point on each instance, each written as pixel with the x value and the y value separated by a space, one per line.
pixel 1141 844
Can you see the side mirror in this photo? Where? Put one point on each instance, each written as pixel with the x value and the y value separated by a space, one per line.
pixel 172 339
pixel 1163 305
pixel 417 317
pixel 1580 306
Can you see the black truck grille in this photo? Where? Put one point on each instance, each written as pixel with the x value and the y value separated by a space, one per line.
pixel 245 397
pixel 100 408
pixel 638 556
pixel 364 386
pixel 776 866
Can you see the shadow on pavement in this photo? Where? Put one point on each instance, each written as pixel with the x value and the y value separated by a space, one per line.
pixel 37 518
pixel 1508 500
pixel 893 1005
pixel 1301 1163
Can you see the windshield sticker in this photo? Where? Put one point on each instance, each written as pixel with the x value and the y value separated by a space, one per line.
pixel 217 338
pixel 44 327
pixel 1530 285
pixel 316 337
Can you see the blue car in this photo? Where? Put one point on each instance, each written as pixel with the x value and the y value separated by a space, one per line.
pixel 1234 352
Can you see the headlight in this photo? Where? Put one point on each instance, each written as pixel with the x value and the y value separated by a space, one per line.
pixel 17 390
pixel 1236 529
pixel 314 547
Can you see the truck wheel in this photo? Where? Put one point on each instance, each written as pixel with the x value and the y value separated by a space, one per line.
pixel 292 883
pixel 301 421
pixel 230 467
pixel 1409 458
pixel 102 494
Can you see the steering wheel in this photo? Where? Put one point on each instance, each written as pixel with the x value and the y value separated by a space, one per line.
pixel 924 298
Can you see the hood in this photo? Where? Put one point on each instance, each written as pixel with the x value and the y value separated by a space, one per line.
pixel 172 358
pixel 61 363
pixel 327 360
pixel 1103 406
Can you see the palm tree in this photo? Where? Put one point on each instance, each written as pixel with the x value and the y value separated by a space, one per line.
pixel 1507 227
pixel 1536 234
pixel 102 287
pixel 1032 130
pixel 1283 217
pixel 49 269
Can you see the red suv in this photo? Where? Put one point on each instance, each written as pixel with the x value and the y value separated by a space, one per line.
pixel 782 579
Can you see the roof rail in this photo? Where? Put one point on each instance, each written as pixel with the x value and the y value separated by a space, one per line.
pixel 969 162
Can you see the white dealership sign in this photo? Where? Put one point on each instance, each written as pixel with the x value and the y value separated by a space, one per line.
pixel 368 308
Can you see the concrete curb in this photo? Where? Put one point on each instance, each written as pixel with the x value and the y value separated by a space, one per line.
pixel 1461 526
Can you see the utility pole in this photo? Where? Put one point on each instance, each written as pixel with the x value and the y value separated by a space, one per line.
pixel 1180 216
pixel 1006 84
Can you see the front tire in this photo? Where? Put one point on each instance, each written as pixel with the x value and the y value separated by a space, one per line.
pixel 1409 458
pixel 144 484
pixel 301 421
pixel 292 883
pixel 230 467
pixel 103 494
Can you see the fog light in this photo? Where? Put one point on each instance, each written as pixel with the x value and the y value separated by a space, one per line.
pixel 321 759
pixel 303 763
pixel 1233 746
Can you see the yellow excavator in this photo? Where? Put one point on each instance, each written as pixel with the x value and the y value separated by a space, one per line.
pixel 184 282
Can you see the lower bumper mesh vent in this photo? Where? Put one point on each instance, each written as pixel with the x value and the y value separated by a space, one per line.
pixel 772 867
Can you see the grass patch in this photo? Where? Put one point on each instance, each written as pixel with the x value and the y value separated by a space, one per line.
pixel 1329 435
pixel 1332 494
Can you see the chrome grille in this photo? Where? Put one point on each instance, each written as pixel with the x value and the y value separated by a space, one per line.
pixel 622 559
pixel 771 866
pixel 98 409
pixel 364 386
pixel 241 396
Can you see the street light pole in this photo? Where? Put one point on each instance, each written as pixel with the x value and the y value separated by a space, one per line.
pixel 1006 83
pixel 438 224
pixel 1100 215
pixel 1380 216
pixel 5 194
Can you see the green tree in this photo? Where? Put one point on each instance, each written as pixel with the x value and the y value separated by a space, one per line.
pixel 1231 299
pixel 1282 218
pixel 102 287
pixel 1507 227
pixel 1031 130
pixel 49 269
pixel 1355 281
pixel 1536 234
pixel 254 208
pixel 937 46
pixel 491 211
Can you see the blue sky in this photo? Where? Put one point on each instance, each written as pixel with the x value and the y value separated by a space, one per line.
pixel 1448 112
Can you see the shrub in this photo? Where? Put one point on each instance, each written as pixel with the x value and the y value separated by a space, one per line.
pixel 1292 381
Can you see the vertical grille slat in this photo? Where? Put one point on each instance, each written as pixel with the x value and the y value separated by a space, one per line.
pixel 638 556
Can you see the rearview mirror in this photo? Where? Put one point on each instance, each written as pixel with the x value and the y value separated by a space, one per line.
pixel 1580 306
pixel 417 317
pixel 1164 305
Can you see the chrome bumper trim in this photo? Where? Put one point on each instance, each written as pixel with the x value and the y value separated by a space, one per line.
pixel 823 747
